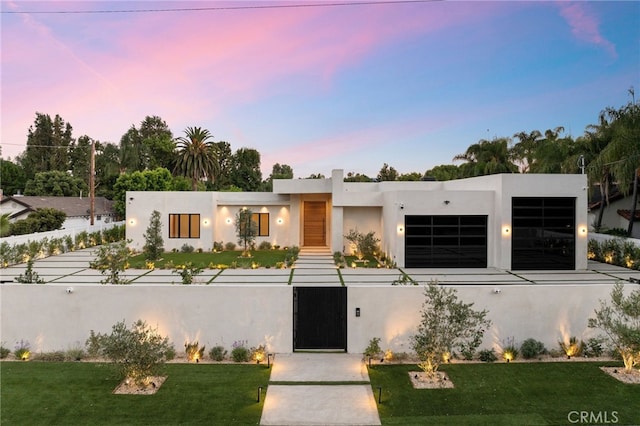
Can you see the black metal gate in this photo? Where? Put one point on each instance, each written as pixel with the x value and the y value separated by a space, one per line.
pixel 320 318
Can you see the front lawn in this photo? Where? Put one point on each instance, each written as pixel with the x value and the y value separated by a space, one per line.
pixel 259 258
pixel 81 393
pixel 507 394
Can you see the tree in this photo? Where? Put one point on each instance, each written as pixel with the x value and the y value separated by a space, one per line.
pixel 444 172
pixel 157 143
pixel 222 175
pixel 387 173
pixel 138 353
pixel 525 150
pixel 107 168
pixel 278 172
pixel 159 179
pixel 5 225
pixel 154 244
pixel 12 177
pixel 356 177
pixel 487 158
pixel 366 245
pixel 56 183
pixel 47 145
pixel 42 220
pixel 620 322
pixel 246 230
pixel 410 177
pixel 447 324
pixel 246 172
pixel 197 157
pixel 80 158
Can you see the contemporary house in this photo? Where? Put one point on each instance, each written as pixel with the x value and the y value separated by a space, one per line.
pixel 504 221
pixel 77 209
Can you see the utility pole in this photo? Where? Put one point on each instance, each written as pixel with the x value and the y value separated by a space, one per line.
pixel 92 182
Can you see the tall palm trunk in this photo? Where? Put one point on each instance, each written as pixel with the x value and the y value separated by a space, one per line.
pixel 634 201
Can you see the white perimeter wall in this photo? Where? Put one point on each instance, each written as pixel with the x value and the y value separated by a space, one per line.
pixel 50 319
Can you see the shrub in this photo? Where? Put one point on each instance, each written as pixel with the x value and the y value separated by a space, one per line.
pixel 56 356
pixel 487 355
pixel 30 277
pixel 339 260
pixel 240 353
pixel 218 353
pixel 365 244
pixel 217 246
pixel 265 245
pixel 193 352
pixel 374 348
pixel 571 348
pixel 593 348
pixel 230 246
pixel 292 255
pixel 187 272
pixel 4 352
pixel 258 354
pixel 74 354
pixel 138 353
pixel 112 260
pixel 22 350
pixel 510 349
pixel 186 248
pixel 532 348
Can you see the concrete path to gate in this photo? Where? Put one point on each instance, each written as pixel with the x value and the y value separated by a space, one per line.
pixel 319 389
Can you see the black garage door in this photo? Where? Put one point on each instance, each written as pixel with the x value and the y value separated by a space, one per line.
pixel 543 233
pixel 320 318
pixel 445 241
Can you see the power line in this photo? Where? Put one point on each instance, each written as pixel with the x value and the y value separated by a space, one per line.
pixel 221 8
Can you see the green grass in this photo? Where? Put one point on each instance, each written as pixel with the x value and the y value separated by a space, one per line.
pixel 505 394
pixel 264 258
pixel 39 393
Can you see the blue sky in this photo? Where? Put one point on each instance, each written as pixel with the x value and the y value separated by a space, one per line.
pixel 318 88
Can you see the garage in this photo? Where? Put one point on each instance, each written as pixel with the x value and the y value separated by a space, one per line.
pixel 543 233
pixel 446 241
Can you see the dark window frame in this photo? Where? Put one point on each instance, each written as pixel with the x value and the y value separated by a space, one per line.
pixel 262 221
pixel 181 228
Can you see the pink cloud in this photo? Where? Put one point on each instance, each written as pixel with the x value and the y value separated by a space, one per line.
pixel 585 26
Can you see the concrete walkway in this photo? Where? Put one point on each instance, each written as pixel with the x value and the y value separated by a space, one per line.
pixel 293 398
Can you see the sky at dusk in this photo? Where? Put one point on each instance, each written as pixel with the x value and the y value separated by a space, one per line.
pixel 349 87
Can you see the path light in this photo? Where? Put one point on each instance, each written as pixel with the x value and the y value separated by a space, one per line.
pixel 379 394
pixel 259 393
pixel 269 360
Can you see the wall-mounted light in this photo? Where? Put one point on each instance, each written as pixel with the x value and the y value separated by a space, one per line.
pixel 447 202
pixel 401 205
pixel 506 230
pixel 205 222
pixel 583 230
pixel 279 221
pixel 400 229
pixel 228 221
pixel 132 222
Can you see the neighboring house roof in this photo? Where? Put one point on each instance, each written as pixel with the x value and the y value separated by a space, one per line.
pixel 627 214
pixel 72 206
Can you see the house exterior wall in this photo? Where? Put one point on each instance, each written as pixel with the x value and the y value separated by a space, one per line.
pixel 611 219
pixel 263 314
pixel 379 207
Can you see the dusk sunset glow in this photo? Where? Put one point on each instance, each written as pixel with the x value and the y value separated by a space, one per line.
pixel 318 86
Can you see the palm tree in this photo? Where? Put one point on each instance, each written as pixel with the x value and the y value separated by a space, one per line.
pixel 524 151
pixel 197 158
pixel 487 158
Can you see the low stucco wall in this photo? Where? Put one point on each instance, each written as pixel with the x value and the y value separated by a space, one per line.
pixel 51 319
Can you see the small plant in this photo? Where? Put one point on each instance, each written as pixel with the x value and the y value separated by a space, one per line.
pixel 56 356
pixel 258 354
pixel 194 353
pixel 292 255
pixel 22 350
pixel 239 351
pixel 75 353
pixel 593 348
pixel 187 272
pixel 30 276
pixel 112 260
pixel 532 348
pixel 571 348
pixel 363 244
pixel 4 352
pixel 487 355
pixel 230 246
pixel 339 260
pixel 509 349
pixel 217 246
pixel 265 245
pixel 186 248
pixel 218 353
pixel 404 279
pixel 373 350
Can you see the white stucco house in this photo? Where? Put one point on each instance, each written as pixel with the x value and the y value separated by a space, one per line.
pixel 505 221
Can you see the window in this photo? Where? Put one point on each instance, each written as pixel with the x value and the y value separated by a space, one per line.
pixel 262 222
pixel 184 225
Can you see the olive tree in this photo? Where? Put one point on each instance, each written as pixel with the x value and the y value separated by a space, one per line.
pixel 620 322
pixel 447 324
pixel 111 260
pixel 138 352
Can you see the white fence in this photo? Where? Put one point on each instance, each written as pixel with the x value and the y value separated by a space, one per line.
pixel 59 233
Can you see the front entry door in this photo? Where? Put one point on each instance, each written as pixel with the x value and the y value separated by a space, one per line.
pixel 320 318
pixel 315 223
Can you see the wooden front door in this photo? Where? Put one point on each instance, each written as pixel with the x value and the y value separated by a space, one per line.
pixel 315 223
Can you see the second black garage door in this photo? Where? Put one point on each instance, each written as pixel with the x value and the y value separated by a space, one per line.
pixel 445 241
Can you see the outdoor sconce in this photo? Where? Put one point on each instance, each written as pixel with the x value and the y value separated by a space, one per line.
pixel 279 221
pixel 228 221
pixel 447 202
pixel 583 230
pixel 400 230
pixel 132 222
pixel 506 230
pixel 205 222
